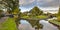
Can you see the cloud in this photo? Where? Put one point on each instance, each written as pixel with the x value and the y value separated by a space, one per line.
pixel 25 2
pixel 44 0
pixel 43 4
pixel 48 3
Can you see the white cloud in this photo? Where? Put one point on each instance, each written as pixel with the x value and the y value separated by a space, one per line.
pixel 43 4
pixel 49 3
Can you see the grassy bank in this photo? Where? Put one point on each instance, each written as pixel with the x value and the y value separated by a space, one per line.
pixel 41 17
pixel 36 17
pixel 55 22
pixel 9 24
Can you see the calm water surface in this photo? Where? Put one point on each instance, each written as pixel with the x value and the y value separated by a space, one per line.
pixel 48 26
pixel 25 25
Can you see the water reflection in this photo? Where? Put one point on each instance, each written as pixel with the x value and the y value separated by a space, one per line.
pixel 25 25
pixel 48 26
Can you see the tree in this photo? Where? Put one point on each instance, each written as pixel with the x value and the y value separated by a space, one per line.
pixel 16 11
pixel 10 5
pixel 36 11
pixel 58 16
pixel 1 13
pixel 59 12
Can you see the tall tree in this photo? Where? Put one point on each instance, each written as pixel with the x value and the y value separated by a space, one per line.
pixel 59 12
pixel 58 16
pixel 11 5
pixel 1 11
pixel 36 11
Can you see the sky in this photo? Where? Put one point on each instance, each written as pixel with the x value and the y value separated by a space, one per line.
pixel 26 5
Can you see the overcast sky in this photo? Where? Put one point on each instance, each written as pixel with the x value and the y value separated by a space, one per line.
pixel 26 5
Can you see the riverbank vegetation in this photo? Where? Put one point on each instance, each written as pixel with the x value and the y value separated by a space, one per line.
pixel 57 21
pixel 1 13
pixel 34 13
pixel 13 10
pixel 9 24
pixel 58 17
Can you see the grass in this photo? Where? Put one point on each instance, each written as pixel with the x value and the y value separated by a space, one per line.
pixel 55 22
pixel 25 17
pixel 41 16
pixel 38 17
pixel 9 24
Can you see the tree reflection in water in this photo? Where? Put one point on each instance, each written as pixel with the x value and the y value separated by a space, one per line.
pixel 35 24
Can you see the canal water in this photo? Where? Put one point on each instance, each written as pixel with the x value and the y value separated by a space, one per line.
pixel 47 25
pixel 25 25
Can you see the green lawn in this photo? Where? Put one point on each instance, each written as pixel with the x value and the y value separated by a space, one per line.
pixel 41 17
pixel 38 17
pixel 25 17
pixel 9 24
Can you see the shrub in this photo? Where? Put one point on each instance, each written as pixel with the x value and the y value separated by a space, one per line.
pixel 2 15
pixel 58 18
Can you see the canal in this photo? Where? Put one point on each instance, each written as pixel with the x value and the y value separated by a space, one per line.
pixel 25 25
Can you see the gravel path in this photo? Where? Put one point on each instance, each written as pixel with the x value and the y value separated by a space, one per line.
pixel 3 19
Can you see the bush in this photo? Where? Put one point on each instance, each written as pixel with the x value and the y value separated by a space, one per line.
pixel 58 18
pixel 2 15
